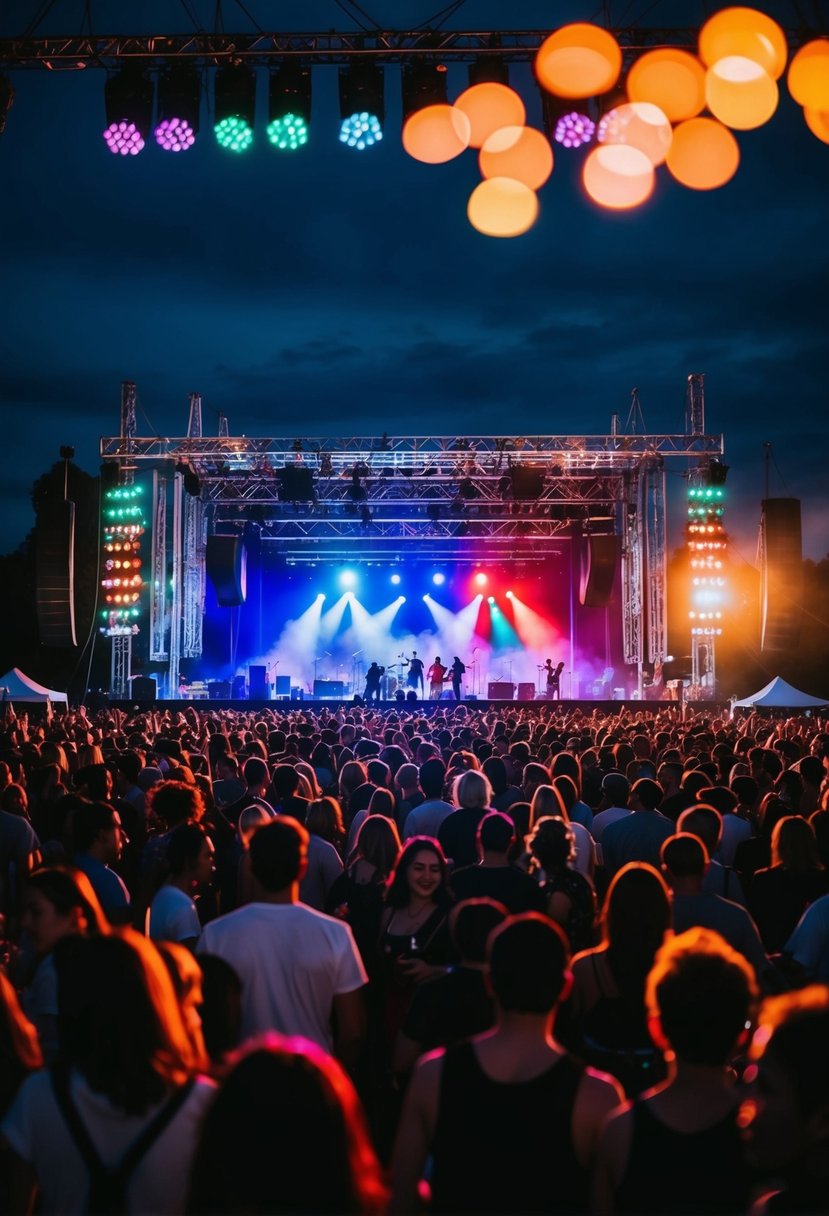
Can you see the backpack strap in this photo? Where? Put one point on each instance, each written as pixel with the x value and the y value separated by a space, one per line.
pixel 113 1178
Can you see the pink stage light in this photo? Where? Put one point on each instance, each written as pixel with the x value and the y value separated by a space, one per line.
pixel 124 139
pixel 574 129
pixel 175 135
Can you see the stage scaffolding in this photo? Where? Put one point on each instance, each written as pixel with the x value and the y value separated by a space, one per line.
pixel 392 498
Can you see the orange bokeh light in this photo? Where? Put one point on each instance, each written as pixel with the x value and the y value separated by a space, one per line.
pixel 747 33
pixel 809 75
pixel 818 123
pixel 578 60
pixel 489 107
pixel 638 124
pixel 521 153
pixel 704 154
pixel 502 207
pixel 740 93
pixel 669 78
pixel 436 134
pixel 617 176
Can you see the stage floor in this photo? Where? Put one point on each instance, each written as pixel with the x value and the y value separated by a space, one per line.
pixel 602 708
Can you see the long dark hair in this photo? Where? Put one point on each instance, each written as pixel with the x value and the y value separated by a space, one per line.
pixel 66 888
pixel 119 1022
pixel 636 917
pixel 397 890
pixel 286 1134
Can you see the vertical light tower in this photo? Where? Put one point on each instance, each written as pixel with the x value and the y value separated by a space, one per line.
pixel 123 526
pixel 707 544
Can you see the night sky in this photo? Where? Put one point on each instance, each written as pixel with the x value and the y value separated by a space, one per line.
pixel 329 292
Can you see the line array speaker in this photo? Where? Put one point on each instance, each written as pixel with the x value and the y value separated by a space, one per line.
pixel 56 574
pixel 781 586
pixel 598 571
pixel 226 565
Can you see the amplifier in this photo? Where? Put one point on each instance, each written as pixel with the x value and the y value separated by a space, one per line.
pixel 329 688
pixel 283 686
pixel 500 690
pixel 219 690
pixel 526 691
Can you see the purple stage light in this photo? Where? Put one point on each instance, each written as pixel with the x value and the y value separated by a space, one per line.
pixel 124 139
pixel 175 135
pixel 574 129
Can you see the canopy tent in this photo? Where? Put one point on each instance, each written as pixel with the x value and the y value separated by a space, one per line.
pixel 777 693
pixel 15 686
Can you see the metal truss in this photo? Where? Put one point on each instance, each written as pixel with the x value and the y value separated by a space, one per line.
pixel 158 572
pixel 656 558
pixel 631 531
pixel 193 569
pixel 75 52
pixel 457 498
pixel 121 670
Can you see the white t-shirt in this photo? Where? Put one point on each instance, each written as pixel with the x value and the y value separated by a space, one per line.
pixel 36 1129
pixel 173 916
pixel 585 861
pixel 292 961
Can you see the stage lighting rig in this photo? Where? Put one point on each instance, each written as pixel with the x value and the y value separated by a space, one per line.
pixel 179 102
pixel 128 99
pixel 289 107
pixel 235 107
pixel 362 105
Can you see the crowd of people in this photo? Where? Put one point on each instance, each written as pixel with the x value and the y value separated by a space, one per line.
pixel 447 958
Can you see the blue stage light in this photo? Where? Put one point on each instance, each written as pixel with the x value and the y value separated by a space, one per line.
pixel 348 578
pixel 438 579
pixel 361 130
pixel 395 578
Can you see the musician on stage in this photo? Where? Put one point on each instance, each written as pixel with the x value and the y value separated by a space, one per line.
pixel 414 679
pixel 457 669
pixel 553 680
pixel 374 675
pixel 436 675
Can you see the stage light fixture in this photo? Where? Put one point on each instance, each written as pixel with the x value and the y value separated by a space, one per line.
pixel 348 578
pixel 179 101
pixel 362 105
pixel 565 123
pixel 289 107
pixel 395 578
pixel 422 85
pixel 128 100
pixel 235 107
pixel 510 595
pixel 438 578
pixel 481 579
pixel 490 599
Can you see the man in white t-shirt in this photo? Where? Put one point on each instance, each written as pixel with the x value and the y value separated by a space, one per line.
pixel 299 968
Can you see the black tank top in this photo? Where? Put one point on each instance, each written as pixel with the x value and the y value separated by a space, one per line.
pixel 683 1173
pixel 506 1147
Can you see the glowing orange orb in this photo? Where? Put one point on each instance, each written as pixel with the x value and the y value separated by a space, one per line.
pixel 818 123
pixel 747 33
pixel 638 124
pixel 521 153
pixel 618 177
pixel 489 107
pixel 436 134
pixel 669 78
pixel 578 60
pixel 500 206
pixel 809 75
pixel 704 154
pixel 740 93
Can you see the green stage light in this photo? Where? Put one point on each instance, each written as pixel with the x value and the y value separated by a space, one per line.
pixel 233 134
pixel 288 132
pixel 289 107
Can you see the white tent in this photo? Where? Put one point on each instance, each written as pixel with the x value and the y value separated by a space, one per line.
pixel 15 686
pixel 777 693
